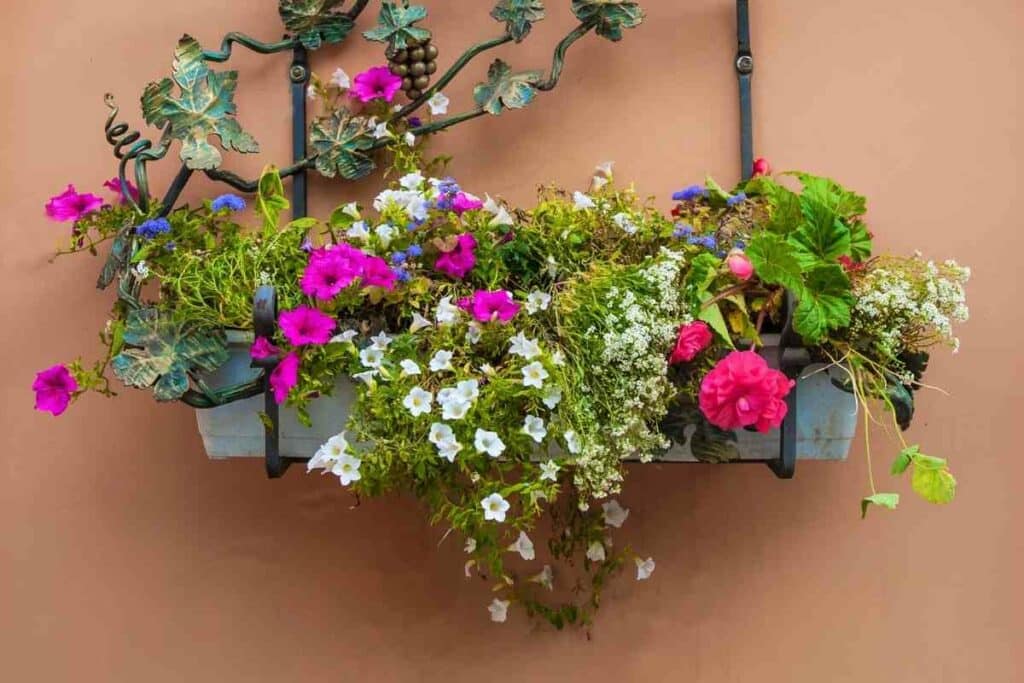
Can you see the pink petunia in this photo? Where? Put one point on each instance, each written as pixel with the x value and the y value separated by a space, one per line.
pixel 378 274
pixel 459 261
pixel 305 325
pixel 114 185
pixel 490 306
pixel 284 377
pixel 466 202
pixel 262 349
pixel 742 391
pixel 54 387
pixel 331 270
pixel 376 83
pixel 72 206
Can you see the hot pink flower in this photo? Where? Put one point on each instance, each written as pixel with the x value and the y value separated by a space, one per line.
pixel 305 325
pixel 377 273
pixel 693 338
pixel 114 185
pixel 284 377
pixel 742 391
pixel 262 348
pixel 53 388
pixel 332 270
pixel 489 306
pixel 459 261
pixel 762 167
pixel 71 206
pixel 376 83
pixel 739 265
pixel 466 202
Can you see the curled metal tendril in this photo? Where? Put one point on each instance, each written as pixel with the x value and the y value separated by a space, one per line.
pixel 139 150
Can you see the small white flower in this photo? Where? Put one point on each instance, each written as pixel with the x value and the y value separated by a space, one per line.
pixel 329 454
pixel 409 139
pixel 551 266
pixel 446 312
pixel 582 201
pixel 614 514
pixel 358 231
pixel 440 433
pixel 572 441
pixel 438 103
pixel 447 395
pixel 523 546
pixel 386 233
pixel 341 79
pixel 409 368
pixel 528 349
pixel 595 552
pixel 552 397
pixel 381 341
pixel 549 470
pixel 537 301
pixel 489 443
pixel 418 401
pixel 487 369
pixel 442 360
pixel 473 333
pixel 558 358
pixel 343 338
pixel 371 357
pixel 503 217
pixel 545 577
pixel 598 182
pixel 644 568
pixel 411 181
pixel 499 610
pixel 418 323
pixel 311 93
pixel 605 168
pixel 534 428
pixel 534 375
pixel 455 409
pixel 490 206
pixel 366 377
pixel 351 209
pixel 625 223
pixel 449 449
pixel 347 469
pixel 495 507
pixel 141 270
pixel 470 546
pixel 468 390
pixel 381 131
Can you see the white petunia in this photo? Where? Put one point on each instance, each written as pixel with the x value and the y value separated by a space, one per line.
pixel 545 577
pixel 371 357
pixel 572 441
pixel 489 443
pixel 449 449
pixel 552 397
pixel 409 139
pixel 605 168
pixel 614 514
pixel 347 469
pixel 558 358
pixel 442 360
pixel 487 369
pixel 625 223
pixel 358 231
pixel 418 323
pixel 409 368
pixel 503 217
pixel 455 409
pixel 582 201
pixel 385 233
pixel 381 131
pixel 490 206
pixel 495 507
pixel 411 181
pixel 440 433
pixel 381 341
pixel 470 546
pixel 141 270
pixel 595 552
pixel 499 610
pixel 523 546
pixel 519 345
pixel 329 453
pixel 351 209
pixel 446 395
pixel 418 401
pixel 473 333
pixel 446 312
pixel 598 182
pixel 537 301
pixel 534 428
pixel 341 79
pixel 343 338
pixel 549 470
pixel 644 568
pixel 366 377
pixel 468 390
pixel 438 103
pixel 534 375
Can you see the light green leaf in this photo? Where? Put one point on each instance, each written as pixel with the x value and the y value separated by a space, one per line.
pixel 504 89
pixel 903 460
pixel 831 194
pixel 775 262
pixel 609 16
pixel 712 315
pixel 860 242
pixel 270 198
pixel 887 500
pixel 342 143
pixel 315 22
pixel 204 107
pixel 395 26
pixel 518 15
pixel 932 479
pixel 824 304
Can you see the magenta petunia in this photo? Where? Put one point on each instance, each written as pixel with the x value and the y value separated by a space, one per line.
pixel 376 83
pixel 742 391
pixel 305 325
pixel 262 349
pixel 378 273
pixel 331 270
pixel 114 185
pixel 491 306
pixel 459 261
pixel 54 387
pixel 284 377
pixel 466 202
pixel 71 206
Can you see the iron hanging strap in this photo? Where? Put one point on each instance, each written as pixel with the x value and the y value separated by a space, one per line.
pixel 744 71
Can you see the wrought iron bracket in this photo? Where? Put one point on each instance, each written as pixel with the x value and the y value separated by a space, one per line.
pixel 264 321
pixel 744 71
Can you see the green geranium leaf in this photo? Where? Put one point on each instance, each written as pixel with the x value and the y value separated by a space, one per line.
pixel 784 213
pixel 903 460
pixel 824 304
pixel 504 89
pixel 860 242
pixel 518 15
pixel 932 479
pixel 160 353
pixel 395 26
pixel 825 191
pixel 315 22
pixel 712 315
pixel 117 260
pixel 822 236
pixel 204 107
pixel 342 143
pixel 886 500
pixel 608 16
pixel 775 261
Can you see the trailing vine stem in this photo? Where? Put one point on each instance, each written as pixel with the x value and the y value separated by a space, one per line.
pixel 242 185
pixel 141 150
pixel 258 46
pixel 558 59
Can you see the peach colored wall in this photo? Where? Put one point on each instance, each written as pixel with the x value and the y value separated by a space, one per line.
pixel 126 556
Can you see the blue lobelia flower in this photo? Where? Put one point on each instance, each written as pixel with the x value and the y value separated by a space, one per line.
pixel 153 227
pixel 682 230
pixel 230 202
pixel 398 258
pixel 414 251
pixel 688 194
pixel 736 199
pixel 402 274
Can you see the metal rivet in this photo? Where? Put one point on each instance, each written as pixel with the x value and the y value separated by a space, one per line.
pixel 745 64
pixel 298 73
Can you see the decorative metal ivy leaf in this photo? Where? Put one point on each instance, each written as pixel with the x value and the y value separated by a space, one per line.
pixel 609 17
pixel 205 107
pixel 160 353
pixel 117 260
pixel 395 25
pixel 504 89
pixel 518 16
pixel 315 22
pixel 342 143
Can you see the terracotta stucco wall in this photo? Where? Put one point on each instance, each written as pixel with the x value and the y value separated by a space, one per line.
pixel 126 556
